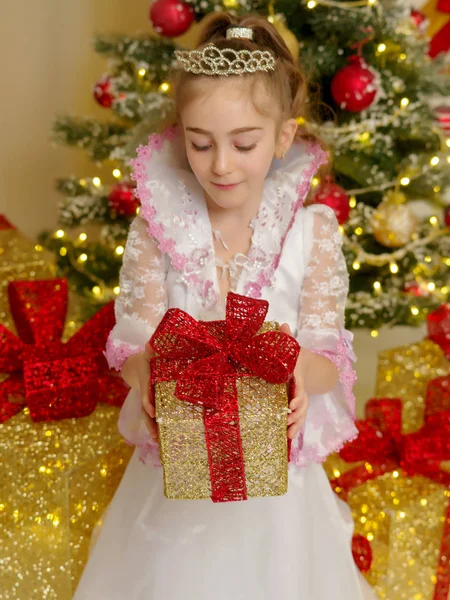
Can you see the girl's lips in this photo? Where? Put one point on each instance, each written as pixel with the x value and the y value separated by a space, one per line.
pixel 226 187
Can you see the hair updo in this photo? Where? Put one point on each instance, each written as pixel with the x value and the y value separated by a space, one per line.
pixel 287 83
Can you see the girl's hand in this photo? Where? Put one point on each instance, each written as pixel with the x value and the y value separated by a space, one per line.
pixel 299 404
pixel 148 410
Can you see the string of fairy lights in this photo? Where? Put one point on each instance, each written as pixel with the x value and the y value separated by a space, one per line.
pixel 359 131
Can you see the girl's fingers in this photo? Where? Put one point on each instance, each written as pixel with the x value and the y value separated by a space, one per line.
pixel 148 406
pixel 284 328
pixel 151 426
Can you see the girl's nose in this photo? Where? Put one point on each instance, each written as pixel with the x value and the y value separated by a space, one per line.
pixel 221 162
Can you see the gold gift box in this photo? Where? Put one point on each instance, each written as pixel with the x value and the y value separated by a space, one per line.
pixel 402 516
pixel 20 258
pixel 263 422
pixel 56 479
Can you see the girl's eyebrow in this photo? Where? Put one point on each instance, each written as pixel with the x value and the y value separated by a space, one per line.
pixel 239 130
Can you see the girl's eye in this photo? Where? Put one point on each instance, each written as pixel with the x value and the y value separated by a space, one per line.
pixel 240 148
pixel 200 148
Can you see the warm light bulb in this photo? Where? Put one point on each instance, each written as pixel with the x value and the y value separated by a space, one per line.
pixel 364 137
pixel 116 290
pixel 402 56
pixel 60 233
pixel 433 220
pixel 444 290
pixel 97 181
pixel 352 201
pixel 82 237
pixel 448 142
pixel 404 102
pixel 434 161
pixel 381 47
pixel 370 536
pixel 117 173
pixel 315 181
pixel 311 4
pixel 119 250
pixel 393 267
pixel 96 290
pixel 356 265
pixel 405 180
pixel 142 72
pixel 164 87
pixel 414 310
pixel 377 285
pixel 371 2
pixel 358 231
pixel 427 259
pixel 431 286
pixel 82 257
pixel 63 251
pixel 374 333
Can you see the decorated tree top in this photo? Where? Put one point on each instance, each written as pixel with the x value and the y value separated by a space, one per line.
pixel 383 85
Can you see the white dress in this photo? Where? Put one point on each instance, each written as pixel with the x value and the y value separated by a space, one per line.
pixel 297 546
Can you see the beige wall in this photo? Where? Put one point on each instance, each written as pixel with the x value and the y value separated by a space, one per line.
pixel 49 68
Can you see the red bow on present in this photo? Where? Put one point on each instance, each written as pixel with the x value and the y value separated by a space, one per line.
pixel 206 358
pixel 382 443
pixel 56 380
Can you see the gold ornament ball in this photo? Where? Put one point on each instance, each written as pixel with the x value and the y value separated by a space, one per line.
pixel 279 22
pixel 393 221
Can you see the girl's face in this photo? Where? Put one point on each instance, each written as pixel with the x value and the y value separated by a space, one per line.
pixel 229 145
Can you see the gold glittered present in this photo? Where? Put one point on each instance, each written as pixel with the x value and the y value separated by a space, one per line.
pixel 56 479
pixel 20 258
pixel 396 475
pixel 221 391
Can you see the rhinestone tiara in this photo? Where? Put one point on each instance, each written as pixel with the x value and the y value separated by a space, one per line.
pixel 215 61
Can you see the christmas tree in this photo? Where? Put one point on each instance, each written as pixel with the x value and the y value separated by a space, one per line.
pixel 380 80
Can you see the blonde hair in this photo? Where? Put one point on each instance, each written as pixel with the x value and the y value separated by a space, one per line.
pixel 287 82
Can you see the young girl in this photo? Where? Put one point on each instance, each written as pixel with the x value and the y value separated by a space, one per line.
pixel 222 209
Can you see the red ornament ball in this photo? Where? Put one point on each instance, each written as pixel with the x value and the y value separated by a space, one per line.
pixel 334 196
pixel 122 199
pixel 419 20
pixel 102 92
pixel 171 18
pixel 413 288
pixel 447 215
pixel 354 87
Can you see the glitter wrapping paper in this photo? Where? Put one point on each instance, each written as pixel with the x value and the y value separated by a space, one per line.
pixel 20 258
pixel 397 484
pixel 221 391
pixel 56 479
pixel 54 379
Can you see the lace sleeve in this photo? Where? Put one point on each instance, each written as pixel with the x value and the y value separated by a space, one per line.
pixel 141 302
pixel 321 329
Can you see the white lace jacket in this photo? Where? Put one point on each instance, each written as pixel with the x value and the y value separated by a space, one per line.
pixel 295 262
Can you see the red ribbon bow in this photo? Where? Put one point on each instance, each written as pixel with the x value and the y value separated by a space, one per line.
pixel 56 380
pixel 382 444
pixel 206 358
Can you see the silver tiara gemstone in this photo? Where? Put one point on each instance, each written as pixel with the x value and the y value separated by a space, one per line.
pixel 239 32
pixel 215 61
